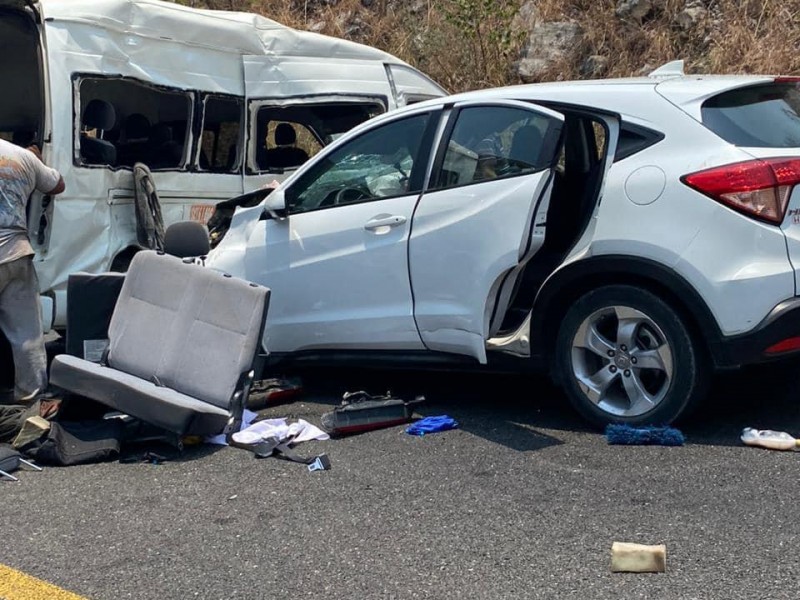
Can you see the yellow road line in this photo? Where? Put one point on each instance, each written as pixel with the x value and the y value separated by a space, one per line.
pixel 16 585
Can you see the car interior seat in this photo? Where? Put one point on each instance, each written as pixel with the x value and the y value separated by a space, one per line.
pixel 285 154
pixel 100 116
pixel 526 146
pixel 164 151
pixel 135 140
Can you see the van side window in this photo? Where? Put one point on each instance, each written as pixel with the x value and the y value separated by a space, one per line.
pixel 286 136
pixel 124 121
pixel 220 139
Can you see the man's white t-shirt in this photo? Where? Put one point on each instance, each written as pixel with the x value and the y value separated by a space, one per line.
pixel 21 172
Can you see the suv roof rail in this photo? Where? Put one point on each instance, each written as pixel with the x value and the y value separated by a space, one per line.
pixel 670 69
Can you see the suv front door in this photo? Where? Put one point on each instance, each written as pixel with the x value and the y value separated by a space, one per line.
pixel 338 264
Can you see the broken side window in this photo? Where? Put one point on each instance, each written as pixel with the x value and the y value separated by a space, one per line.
pixel 221 136
pixel 124 121
pixel 287 136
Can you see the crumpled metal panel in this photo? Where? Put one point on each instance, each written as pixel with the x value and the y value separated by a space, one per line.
pixel 242 32
pixel 301 76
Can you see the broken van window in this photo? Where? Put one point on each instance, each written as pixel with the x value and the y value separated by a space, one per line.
pixel 124 121
pixel 221 135
pixel 287 136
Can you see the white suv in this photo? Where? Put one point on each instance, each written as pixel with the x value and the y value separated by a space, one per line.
pixel 630 235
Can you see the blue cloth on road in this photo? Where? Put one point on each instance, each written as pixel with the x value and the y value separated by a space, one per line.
pixel 432 425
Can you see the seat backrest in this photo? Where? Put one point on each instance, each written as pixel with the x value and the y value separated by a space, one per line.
pixel 526 146
pixel 284 154
pixel 186 327
pixel 97 152
pixel 99 115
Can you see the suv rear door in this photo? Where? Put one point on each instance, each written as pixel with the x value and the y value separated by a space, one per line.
pixel 480 220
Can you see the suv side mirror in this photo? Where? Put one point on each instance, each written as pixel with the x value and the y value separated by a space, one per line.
pixel 275 206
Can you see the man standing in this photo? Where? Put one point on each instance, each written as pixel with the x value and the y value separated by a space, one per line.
pixel 22 172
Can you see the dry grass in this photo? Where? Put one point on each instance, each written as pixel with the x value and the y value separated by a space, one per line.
pixel 734 36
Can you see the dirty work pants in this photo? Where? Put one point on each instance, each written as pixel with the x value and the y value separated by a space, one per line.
pixel 21 322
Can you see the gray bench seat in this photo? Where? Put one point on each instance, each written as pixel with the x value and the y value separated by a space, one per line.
pixel 184 347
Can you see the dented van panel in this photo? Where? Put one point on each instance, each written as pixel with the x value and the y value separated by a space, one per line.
pixel 197 95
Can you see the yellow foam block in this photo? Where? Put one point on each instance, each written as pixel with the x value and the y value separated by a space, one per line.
pixel 638 558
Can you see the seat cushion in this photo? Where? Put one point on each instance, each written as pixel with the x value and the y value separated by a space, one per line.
pixel 159 406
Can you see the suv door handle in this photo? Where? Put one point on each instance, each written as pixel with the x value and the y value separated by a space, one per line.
pixel 380 222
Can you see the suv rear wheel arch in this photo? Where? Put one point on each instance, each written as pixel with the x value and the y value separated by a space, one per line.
pixel 565 287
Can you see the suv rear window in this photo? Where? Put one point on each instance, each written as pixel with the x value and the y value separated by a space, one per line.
pixel 759 116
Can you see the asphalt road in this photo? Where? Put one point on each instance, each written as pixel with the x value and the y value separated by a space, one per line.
pixel 523 501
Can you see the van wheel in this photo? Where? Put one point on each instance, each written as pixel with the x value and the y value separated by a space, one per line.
pixel 623 355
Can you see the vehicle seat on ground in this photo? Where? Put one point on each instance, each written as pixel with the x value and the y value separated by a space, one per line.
pixel 184 347
pixel 100 116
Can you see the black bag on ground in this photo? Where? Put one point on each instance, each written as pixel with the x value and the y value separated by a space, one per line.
pixel 74 443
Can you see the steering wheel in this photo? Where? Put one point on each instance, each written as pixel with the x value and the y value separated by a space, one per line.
pixel 349 194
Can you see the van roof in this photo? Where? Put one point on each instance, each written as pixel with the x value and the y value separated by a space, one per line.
pixel 245 33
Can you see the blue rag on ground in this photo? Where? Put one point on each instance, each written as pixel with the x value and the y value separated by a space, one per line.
pixel 432 425
pixel 637 436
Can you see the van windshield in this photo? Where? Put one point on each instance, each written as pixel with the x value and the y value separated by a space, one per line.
pixel 759 116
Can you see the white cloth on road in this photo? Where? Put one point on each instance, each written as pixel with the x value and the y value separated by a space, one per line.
pixel 300 431
pixel 248 416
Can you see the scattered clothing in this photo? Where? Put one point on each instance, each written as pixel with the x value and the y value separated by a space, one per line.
pixel 13 417
pixel 432 425
pixel 248 416
pixel 300 431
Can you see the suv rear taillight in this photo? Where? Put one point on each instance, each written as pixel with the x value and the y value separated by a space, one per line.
pixel 758 188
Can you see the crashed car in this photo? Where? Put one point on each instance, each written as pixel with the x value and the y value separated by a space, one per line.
pixel 631 236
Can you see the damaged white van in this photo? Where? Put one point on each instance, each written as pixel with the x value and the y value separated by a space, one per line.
pixel 214 103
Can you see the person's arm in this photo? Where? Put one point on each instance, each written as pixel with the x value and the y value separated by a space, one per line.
pixel 60 187
pixel 45 176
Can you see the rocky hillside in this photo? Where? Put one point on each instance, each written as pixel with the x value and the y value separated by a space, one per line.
pixel 469 44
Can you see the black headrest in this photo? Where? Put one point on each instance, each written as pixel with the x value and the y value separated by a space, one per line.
pixel 160 134
pixel 137 127
pixel 186 238
pixel 99 114
pixel 284 135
